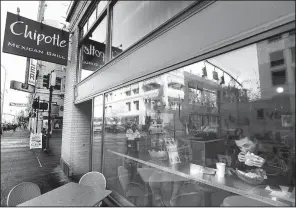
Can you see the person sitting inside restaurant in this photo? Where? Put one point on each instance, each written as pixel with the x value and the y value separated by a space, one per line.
pixel 250 145
pixel 260 159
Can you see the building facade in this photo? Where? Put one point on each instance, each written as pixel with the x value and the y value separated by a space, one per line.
pixel 176 69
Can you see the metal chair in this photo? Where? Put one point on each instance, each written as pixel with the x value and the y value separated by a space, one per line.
pixel 132 190
pixel 94 179
pixel 22 193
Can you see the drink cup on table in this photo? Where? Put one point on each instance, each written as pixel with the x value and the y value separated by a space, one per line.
pixel 220 169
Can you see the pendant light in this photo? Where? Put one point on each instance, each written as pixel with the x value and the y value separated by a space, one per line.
pixel 204 71
pixel 215 74
pixel 222 79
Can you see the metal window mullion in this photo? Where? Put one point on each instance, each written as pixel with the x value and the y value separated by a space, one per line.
pixel 103 136
pixel 91 136
pixel 108 34
pixel 79 71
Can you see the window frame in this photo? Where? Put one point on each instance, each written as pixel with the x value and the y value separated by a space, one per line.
pixel 90 29
pixel 277 71
pixel 275 63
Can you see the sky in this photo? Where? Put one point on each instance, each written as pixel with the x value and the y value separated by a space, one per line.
pixel 16 65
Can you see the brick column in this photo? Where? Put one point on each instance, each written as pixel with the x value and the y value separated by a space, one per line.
pixel 77 120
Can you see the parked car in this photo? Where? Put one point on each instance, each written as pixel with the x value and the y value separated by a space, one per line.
pixel 114 128
pixel 97 127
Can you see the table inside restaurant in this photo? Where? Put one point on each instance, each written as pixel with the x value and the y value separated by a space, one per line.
pixel 70 194
pixel 229 183
pixel 145 174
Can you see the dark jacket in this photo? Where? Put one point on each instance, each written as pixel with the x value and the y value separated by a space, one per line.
pixel 273 164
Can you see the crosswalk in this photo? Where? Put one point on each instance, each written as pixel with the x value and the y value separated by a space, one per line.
pixel 18 139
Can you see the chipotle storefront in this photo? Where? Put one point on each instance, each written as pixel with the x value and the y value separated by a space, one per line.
pixel 159 92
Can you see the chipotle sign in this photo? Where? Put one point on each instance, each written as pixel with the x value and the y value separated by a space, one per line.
pixel 28 38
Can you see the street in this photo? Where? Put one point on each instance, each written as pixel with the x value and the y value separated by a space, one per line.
pixel 20 164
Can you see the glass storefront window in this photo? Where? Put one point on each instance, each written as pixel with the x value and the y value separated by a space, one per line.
pixel 93 50
pixel 132 20
pixel 101 6
pixel 97 134
pixel 165 140
pixel 85 29
pixel 92 18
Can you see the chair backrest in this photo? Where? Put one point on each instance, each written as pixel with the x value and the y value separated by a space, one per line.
pixel 22 193
pixel 123 178
pixel 94 179
pixel 188 200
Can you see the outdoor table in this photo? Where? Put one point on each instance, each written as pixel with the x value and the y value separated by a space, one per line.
pixel 70 194
pixel 229 183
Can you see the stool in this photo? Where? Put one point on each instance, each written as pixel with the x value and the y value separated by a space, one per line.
pixel 241 201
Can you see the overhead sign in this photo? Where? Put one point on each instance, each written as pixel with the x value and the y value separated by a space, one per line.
pixel 28 38
pixel 15 85
pixel 18 104
pixel 93 56
pixel 32 72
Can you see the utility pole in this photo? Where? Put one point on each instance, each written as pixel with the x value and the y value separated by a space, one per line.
pixel 49 110
pixel 38 99
pixel 51 84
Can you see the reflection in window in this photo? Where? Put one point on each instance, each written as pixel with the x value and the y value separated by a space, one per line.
pixel 92 19
pixel 101 7
pixel 132 20
pixel 184 117
pixel 279 77
pixel 277 58
pixel 97 133
pixel 128 106
pixel 136 103
pixel 93 50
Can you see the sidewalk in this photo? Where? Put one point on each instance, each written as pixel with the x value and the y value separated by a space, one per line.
pixel 20 164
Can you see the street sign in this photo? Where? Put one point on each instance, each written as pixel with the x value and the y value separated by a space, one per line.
pixel 32 72
pixel 18 104
pixel 15 85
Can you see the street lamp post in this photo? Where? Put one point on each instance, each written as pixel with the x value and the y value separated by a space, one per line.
pixel 3 95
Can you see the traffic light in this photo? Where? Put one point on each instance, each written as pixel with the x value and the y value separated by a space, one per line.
pixel 35 104
pixel 46 79
pixel 43 106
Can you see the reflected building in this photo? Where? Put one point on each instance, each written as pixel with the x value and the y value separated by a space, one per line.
pixel 276 62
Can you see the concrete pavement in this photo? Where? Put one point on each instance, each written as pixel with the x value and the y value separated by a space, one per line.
pixel 20 164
